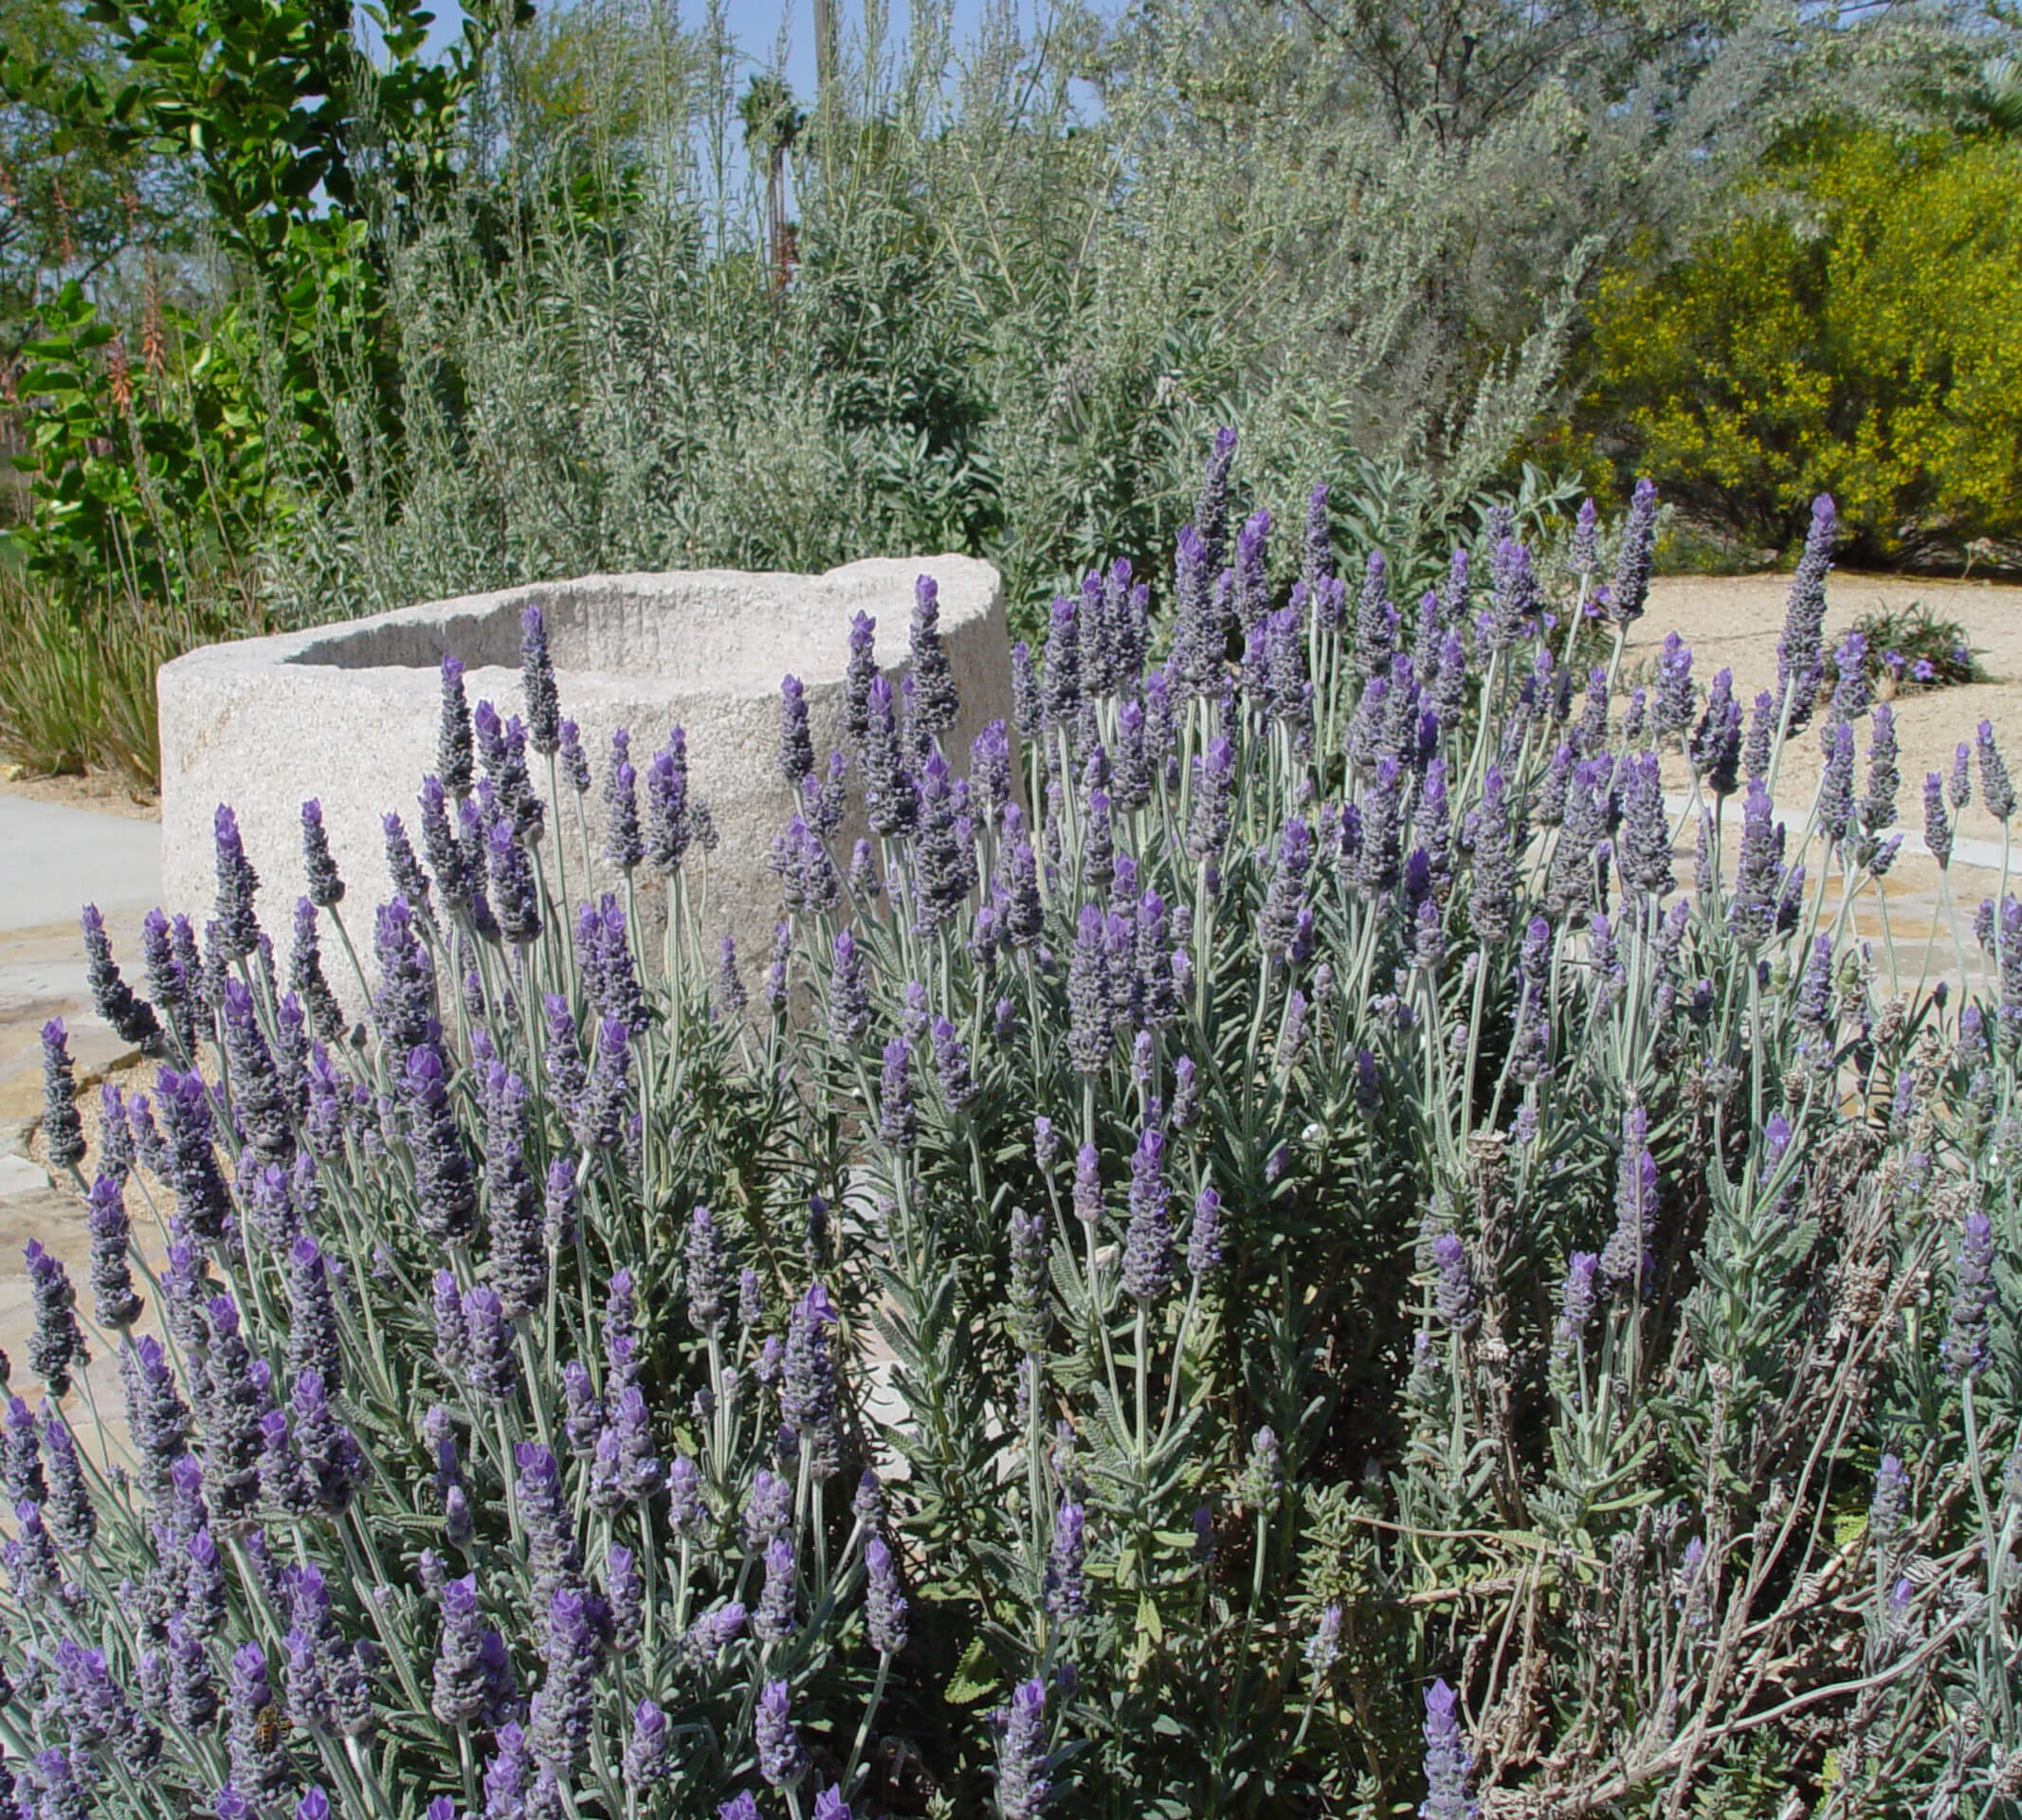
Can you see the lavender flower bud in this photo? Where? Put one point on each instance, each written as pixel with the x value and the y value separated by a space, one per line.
pixel 238 928
pixel 1577 1306
pixel 796 745
pixel 1800 655
pixel 1088 1186
pixel 459 1691
pixel 56 1346
pixel 1066 1589
pixel 157 1420
pixel 773 1621
pixel 1452 1286
pixel 62 1131
pixel 68 1510
pixel 807 1394
pixel 115 1305
pixel 1023 1787
pixel 1148 1243
pixel 1752 913
pixel 781 1759
pixel 1324 1646
pixel 1890 1501
pixel 21 1455
pixel 848 994
pixel 651 1757
pixel 951 1066
pixel 444 1189
pixel 1204 1241
pixel 1630 589
pixel 671 824
pixel 1672 707
pixel 863 671
pixel 1263 1480
pixel 934 703
pixel 1974 1295
pixel 1997 792
pixel 491 1366
pixel 1937 826
pixel 1089 1016
pixel 706 1272
pixel 1626 1261
pixel 624 844
pixel 131 1016
pixel 1448 1762
pixel 536 676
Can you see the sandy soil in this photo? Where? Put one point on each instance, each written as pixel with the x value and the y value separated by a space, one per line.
pixel 1733 623
pixel 110 793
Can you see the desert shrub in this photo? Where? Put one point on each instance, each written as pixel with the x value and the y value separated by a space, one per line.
pixel 568 301
pixel 1261 1258
pixel 1850 334
pixel 1911 647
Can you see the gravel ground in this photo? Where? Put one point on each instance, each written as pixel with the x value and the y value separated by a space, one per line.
pixel 1732 622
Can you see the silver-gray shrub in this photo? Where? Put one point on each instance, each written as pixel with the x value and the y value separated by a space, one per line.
pixel 1518 1335
pixel 1015 311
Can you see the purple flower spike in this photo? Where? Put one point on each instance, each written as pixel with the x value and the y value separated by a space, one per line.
pixel 1800 662
pixel 650 1753
pixel 897 1121
pixel 536 676
pixel 57 1345
pixel 670 823
pixel 624 844
pixel 1022 1784
pixel 238 928
pixel 62 1131
pixel 863 669
pixel 1630 591
pixel 781 1759
pixel 1148 1243
pixel 885 1603
pixel 1626 1261
pixel 1447 1760
pixel 1997 792
pixel 935 704
pixel 1972 1298
pixel 1452 1286
pixel 796 744
pixel 326 888
pixel 1066 1590
pixel 131 1015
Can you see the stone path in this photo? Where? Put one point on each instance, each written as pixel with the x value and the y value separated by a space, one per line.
pixel 53 860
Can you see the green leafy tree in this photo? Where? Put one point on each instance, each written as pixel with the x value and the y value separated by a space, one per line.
pixel 75 198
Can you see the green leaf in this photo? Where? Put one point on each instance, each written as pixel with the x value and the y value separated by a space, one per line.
pixel 976 1677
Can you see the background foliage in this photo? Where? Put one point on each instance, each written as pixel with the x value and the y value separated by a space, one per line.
pixel 1853 333
pixel 580 295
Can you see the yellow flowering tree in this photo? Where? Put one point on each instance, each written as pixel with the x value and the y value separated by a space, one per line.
pixel 1855 331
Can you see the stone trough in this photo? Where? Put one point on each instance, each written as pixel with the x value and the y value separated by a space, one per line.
pixel 348 713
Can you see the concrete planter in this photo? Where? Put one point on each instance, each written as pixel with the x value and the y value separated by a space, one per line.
pixel 348 714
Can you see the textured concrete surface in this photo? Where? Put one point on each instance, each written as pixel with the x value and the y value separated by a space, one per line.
pixel 53 861
pixel 348 714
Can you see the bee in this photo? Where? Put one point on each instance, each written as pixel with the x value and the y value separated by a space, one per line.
pixel 270 1729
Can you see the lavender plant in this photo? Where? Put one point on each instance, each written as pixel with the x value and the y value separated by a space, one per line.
pixel 1254 1255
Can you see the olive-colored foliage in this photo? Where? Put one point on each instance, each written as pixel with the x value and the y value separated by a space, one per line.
pixel 1854 332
